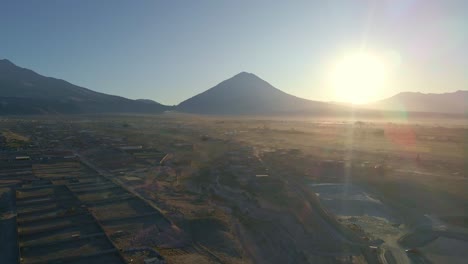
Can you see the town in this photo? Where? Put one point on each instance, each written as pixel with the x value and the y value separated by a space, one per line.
pixel 171 189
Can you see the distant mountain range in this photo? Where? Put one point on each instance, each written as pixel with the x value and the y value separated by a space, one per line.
pixel 245 93
pixel 23 91
pixel 454 103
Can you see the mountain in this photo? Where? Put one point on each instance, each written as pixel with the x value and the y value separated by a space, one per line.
pixel 247 94
pixel 22 91
pixel 452 103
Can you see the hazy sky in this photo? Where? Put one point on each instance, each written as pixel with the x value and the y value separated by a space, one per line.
pixel 170 50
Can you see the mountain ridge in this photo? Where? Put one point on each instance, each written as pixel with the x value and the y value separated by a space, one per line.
pixel 23 91
pixel 449 102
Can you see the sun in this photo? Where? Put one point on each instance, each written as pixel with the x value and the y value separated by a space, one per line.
pixel 358 78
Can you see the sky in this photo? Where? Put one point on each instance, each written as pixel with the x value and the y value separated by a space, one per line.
pixel 168 51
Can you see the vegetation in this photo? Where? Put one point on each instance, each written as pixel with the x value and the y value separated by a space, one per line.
pixel 231 183
pixel 14 140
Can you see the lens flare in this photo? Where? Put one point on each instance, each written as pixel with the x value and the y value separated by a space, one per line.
pixel 359 77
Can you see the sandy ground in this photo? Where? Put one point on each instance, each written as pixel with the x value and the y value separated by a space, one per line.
pixel 351 200
pixel 355 207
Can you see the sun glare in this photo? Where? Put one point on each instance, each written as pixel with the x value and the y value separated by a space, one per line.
pixel 358 78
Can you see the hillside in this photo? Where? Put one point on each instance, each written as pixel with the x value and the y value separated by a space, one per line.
pixel 247 94
pixel 453 103
pixel 23 91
